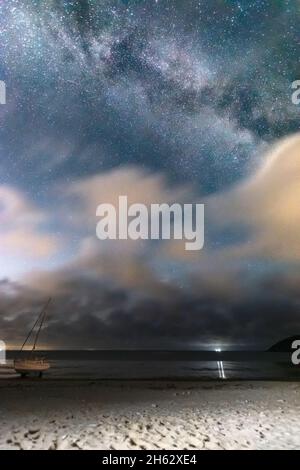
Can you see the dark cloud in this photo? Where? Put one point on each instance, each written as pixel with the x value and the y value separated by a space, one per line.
pixel 92 314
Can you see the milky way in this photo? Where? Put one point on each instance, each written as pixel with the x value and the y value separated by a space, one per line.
pixel 189 88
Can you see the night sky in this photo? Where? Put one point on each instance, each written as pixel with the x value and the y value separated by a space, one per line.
pixel 164 101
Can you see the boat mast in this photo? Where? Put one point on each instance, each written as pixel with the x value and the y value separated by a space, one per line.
pixel 41 324
pixel 40 317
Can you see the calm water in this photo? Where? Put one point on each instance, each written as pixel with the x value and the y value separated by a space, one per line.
pixel 179 370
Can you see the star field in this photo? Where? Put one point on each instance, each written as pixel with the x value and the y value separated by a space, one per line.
pixel 192 90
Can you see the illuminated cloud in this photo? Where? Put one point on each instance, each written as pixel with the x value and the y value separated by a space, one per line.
pixel 108 289
pixel 266 205
pixel 22 238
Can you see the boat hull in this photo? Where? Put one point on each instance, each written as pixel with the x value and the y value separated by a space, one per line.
pixel 27 366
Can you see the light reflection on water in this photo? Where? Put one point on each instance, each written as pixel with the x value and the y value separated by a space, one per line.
pixel 165 369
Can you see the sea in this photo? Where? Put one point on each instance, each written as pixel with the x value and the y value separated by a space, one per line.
pixel 163 370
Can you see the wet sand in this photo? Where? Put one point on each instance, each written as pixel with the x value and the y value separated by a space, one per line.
pixel 46 414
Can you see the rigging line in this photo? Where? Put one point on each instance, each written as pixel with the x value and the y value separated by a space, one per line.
pixel 35 323
pixel 44 311
pixel 29 334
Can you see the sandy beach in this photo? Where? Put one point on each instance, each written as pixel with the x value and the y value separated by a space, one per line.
pixel 149 415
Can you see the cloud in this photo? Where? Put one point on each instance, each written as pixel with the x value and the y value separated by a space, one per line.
pixel 258 219
pixel 266 205
pixel 93 314
pixel 138 184
pixel 116 294
pixel 261 214
pixel 124 263
pixel 21 234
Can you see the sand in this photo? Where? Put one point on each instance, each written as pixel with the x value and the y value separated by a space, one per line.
pixel 46 414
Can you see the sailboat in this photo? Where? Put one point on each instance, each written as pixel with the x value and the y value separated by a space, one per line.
pixel 33 363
